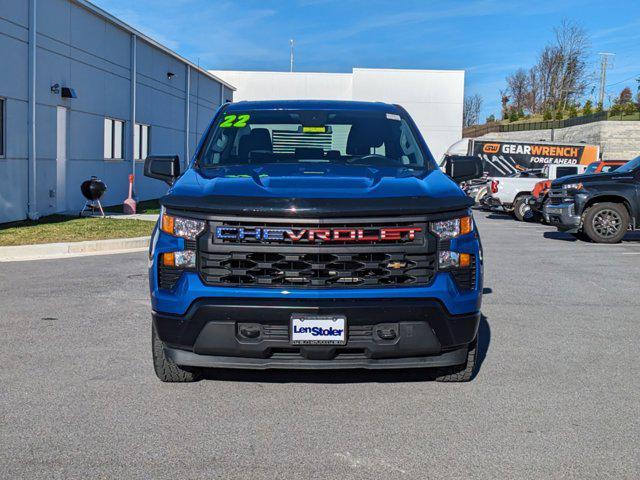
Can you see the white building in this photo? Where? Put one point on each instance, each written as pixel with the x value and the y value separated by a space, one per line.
pixel 124 82
pixel 434 98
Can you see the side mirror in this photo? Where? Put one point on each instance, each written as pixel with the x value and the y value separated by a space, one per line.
pixel 462 168
pixel 162 167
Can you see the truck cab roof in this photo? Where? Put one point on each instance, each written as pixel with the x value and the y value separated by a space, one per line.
pixel 312 105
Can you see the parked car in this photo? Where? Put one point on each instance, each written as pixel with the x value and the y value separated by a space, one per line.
pixel 540 193
pixel 597 207
pixel 314 235
pixel 512 194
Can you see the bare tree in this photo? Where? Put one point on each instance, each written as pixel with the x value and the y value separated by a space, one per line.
pixel 532 100
pixel 559 75
pixel 573 45
pixel 517 88
pixel 471 110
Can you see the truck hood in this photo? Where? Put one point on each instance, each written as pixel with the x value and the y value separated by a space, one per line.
pixel 589 178
pixel 314 190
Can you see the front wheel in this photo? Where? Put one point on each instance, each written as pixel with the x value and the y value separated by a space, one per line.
pixel 479 197
pixel 522 210
pixel 461 373
pixel 606 222
pixel 165 369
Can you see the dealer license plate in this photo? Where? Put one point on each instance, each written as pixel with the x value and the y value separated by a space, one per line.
pixel 318 329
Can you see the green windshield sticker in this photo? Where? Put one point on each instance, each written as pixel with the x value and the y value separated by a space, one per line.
pixel 228 121
pixel 242 121
pixel 237 121
pixel 314 129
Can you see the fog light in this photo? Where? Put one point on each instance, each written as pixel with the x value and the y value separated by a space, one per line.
pixel 386 333
pixel 249 330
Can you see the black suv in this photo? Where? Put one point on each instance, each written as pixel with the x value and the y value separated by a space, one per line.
pixel 597 207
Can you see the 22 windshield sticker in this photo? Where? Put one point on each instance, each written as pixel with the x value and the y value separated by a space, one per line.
pixel 236 121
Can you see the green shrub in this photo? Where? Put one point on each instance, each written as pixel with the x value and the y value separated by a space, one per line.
pixel 559 114
pixel 573 111
pixel 588 108
pixel 616 109
pixel 630 108
pixel 547 115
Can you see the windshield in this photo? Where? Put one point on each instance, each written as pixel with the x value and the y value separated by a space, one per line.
pixel 629 166
pixel 592 167
pixel 259 137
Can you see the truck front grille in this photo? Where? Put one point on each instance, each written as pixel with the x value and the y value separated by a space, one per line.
pixel 316 269
pixel 556 197
pixel 255 259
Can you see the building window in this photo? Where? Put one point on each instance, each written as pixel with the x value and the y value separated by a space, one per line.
pixel 113 138
pixel 1 127
pixel 141 141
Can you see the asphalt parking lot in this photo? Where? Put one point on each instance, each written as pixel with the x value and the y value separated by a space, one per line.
pixel 556 396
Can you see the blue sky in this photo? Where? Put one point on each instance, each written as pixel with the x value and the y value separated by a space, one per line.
pixel 487 38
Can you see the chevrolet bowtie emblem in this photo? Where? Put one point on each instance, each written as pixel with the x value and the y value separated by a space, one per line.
pixel 396 265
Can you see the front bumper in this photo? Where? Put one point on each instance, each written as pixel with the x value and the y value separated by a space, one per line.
pixel 563 217
pixel 209 334
pixel 536 204
pixel 493 202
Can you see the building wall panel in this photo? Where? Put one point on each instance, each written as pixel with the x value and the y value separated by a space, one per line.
pixel 88 52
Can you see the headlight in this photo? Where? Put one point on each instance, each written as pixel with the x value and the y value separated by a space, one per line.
pixel 448 259
pixel 572 186
pixel 187 228
pixel 446 229
pixel 181 259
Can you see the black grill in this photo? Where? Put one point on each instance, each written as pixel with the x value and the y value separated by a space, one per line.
pixel 556 197
pixel 466 277
pixel 317 269
pixel 168 276
pixel 319 264
pixel 281 332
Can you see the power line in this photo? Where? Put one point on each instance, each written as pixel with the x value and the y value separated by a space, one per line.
pixel 625 80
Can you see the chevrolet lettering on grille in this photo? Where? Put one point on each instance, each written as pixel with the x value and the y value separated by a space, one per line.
pixel 316 235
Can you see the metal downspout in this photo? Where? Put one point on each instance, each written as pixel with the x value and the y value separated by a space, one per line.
pixel 132 126
pixel 186 117
pixel 32 211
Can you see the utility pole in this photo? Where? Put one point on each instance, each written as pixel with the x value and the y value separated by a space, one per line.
pixel 291 55
pixel 604 64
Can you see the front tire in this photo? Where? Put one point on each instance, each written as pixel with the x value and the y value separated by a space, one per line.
pixel 165 369
pixel 606 222
pixel 522 211
pixel 480 197
pixel 461 373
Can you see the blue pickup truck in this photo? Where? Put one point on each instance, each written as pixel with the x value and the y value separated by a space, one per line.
pixel 314 235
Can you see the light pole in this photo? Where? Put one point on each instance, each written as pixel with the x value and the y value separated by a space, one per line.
pixel 291 55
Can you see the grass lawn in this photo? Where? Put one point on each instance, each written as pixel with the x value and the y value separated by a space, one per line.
pixel 634 116
pixel 59 228
pixel 146 206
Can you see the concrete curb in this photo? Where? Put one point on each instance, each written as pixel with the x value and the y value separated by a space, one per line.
pixel 73 249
